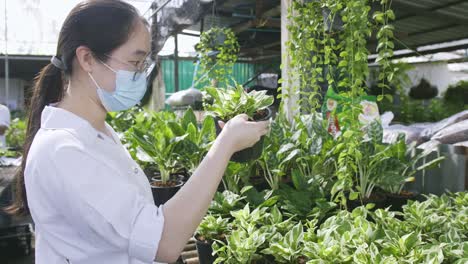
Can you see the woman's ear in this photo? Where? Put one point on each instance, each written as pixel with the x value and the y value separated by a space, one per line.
pixel 85 58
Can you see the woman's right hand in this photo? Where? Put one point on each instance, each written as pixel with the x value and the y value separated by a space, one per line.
pixel 239 133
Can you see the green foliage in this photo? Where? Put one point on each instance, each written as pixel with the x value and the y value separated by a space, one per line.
pixel 433 231
pixel 197 141
pixel 328 47
pixel 457 94
pixel 236 176
pixel 156 142
pixel 227 103
pixel 122 121
pixel 16 133
pixel 226 202
pixel 212 228
pixel 409 111
pixel 223 41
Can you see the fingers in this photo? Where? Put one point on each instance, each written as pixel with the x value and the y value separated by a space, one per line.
pixel 221 124
pixel 263 127
pixel 243 116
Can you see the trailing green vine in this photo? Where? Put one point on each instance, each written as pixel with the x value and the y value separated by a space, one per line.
pixel 385 47
pixel 328 47
pixel 218 49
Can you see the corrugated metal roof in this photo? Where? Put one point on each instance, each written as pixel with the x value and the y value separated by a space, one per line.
pixel 425 22
pixel 418 23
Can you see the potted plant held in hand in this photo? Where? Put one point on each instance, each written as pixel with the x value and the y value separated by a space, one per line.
pixel 159 146
pixel 228 103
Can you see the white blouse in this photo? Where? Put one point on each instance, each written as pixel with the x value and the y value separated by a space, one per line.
pixel 90 202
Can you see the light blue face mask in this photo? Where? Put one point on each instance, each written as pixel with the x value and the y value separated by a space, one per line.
pixel 129 90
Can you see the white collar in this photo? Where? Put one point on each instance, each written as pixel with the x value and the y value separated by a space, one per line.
pixel 53 118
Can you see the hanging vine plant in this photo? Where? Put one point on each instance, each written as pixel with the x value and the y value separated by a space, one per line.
pixel 328 47
pixel 218 49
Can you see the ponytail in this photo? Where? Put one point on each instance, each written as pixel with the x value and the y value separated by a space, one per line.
pixel 48 88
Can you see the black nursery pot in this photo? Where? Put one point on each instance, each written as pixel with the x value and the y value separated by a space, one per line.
pixel 253 152
pixel 205 252
pixel 162 194
pixel 378 199
pixel 173 177
pixel 396 201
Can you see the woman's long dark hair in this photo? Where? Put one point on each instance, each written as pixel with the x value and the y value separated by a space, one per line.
pixel 100 25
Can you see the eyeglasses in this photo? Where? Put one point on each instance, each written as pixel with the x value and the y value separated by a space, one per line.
pixel 141 68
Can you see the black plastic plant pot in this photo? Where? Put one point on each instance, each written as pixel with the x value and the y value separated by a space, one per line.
pixel 173 177
pixel 205 252
pixel 162 193
pixel 253 152
pixel 396 201
pixel 378 199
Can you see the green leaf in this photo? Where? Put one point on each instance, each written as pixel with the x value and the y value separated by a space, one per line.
pixel 299 180
pixel 189 118
pixel 246 189
pixel 353 195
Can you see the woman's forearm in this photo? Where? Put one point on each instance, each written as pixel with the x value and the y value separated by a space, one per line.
pixel 186 209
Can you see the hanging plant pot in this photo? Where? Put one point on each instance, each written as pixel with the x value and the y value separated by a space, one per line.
pixel 423 91
pixel 164 192
pixel 396 201
pixel 205 251
pixel 255 151
pixel 217 39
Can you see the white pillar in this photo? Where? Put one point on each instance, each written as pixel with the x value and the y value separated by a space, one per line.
pixel 289 83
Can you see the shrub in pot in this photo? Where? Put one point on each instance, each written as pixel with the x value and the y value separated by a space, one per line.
pixel 197 139
pixel 230 102
pixel 210 229
pixel 158 147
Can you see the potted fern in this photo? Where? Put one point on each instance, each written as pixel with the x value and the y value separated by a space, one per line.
pixel 230 102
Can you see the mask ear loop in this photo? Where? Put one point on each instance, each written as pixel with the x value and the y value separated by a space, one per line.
pixel 94 81
pixel 109 67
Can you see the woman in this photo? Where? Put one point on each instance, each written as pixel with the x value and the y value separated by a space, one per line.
pixel 90 202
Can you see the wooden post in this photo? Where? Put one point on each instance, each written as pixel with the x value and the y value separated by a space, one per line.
pixel 289 83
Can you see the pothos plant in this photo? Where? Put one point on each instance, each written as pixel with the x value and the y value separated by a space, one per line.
pixel 230 102
pixel 218 49
pixel 328 47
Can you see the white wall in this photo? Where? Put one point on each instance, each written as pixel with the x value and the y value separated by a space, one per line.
pixel 437 73
pixel 15 98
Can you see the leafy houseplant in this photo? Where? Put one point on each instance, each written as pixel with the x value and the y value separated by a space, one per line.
pixel 218 48
pixel 228 103
pixel 157 145
pixel 210 229
pixel 197 139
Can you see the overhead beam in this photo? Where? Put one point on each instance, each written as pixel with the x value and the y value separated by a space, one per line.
pixel 262 18
pixel 431 12
pixel 426 49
